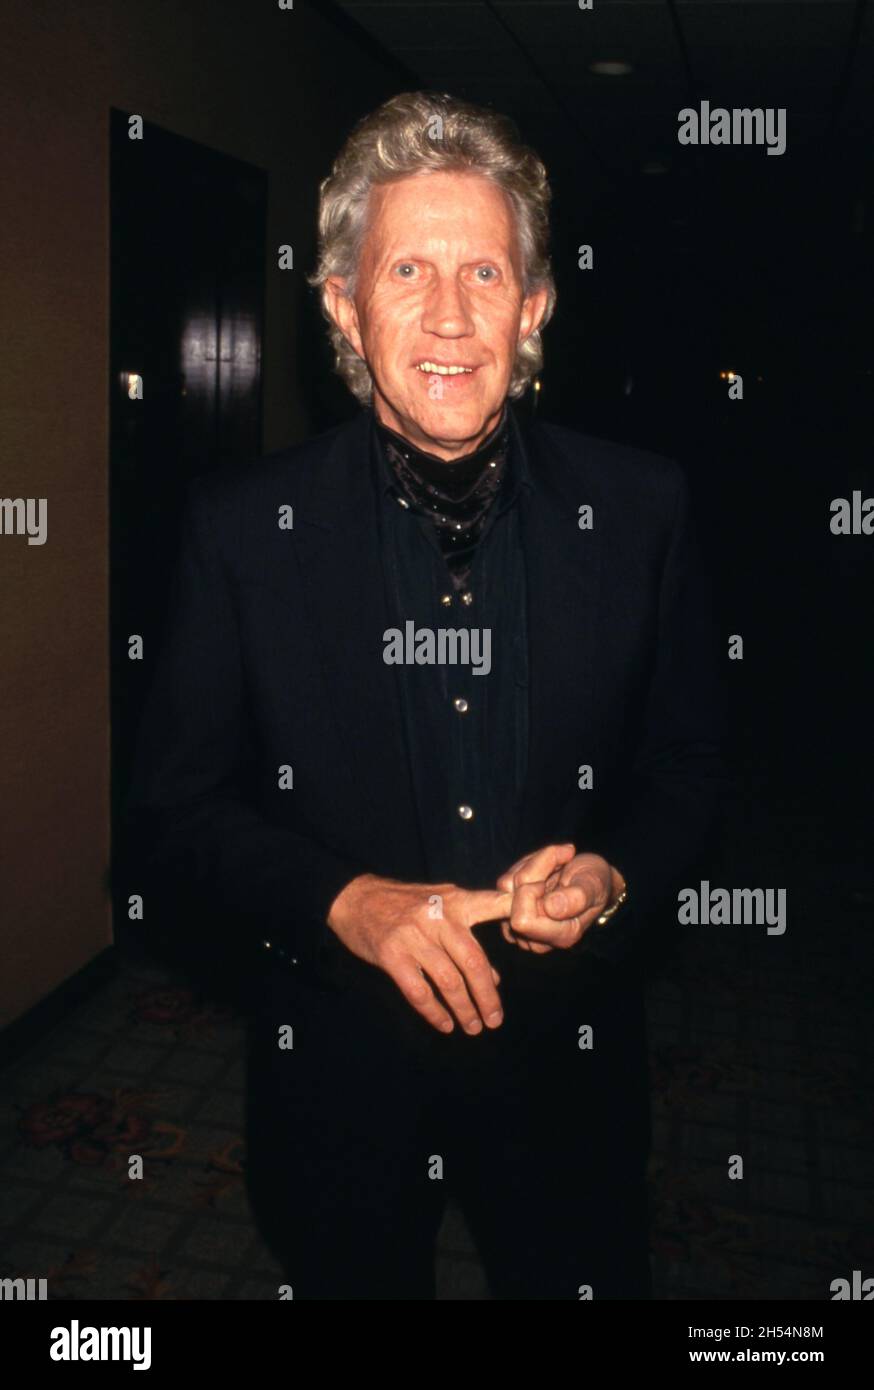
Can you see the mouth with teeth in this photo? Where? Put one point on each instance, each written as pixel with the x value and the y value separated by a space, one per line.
pixel 441 369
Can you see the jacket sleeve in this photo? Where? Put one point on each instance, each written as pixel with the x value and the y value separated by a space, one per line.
pixel 188 816
pixel 658 825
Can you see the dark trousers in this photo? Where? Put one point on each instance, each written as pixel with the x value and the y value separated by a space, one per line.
pixel 359 1132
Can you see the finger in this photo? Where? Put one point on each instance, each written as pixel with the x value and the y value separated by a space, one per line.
pixel 538 866
pixel 597 893
pixel 526 907
pixel 485 905
pixel 561 854
pixel 474 965
pixel 495 976
pixel 570 900
pixel 417 992
pixel 538 947
pixel 514 940
pixel 528 920
pixel 442 971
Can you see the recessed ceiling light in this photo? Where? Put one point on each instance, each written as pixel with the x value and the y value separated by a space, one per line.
pixel 611 68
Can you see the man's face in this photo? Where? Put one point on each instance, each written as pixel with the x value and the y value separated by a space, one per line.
pixel 439 286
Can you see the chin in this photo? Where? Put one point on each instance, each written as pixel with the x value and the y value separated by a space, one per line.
pixel 459 416
pixel 454 421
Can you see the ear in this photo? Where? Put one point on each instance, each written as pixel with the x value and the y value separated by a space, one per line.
pixel 533 309
pixel 341 308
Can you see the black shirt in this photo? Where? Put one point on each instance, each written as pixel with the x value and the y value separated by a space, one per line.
pixel 466 730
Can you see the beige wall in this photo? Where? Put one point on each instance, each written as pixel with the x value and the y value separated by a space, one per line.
pixel 252 81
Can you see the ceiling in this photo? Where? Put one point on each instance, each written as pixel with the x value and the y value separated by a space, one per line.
pixel 532 59
pixel 695 245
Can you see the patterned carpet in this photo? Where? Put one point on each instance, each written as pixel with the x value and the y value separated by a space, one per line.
pixel 760 1047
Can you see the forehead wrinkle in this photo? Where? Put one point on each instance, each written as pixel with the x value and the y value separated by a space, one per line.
pixel 444 250
pixel 438 243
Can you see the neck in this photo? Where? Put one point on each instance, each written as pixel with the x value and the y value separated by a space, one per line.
pixel 427 449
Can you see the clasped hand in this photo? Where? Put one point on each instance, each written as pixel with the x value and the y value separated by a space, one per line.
pixel 421 935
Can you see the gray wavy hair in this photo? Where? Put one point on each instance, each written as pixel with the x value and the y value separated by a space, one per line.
pixel 420 132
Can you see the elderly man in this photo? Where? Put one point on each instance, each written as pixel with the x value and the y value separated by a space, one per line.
pixel 437 722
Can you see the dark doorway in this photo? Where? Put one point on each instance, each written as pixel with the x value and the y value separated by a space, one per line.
pixel 188 229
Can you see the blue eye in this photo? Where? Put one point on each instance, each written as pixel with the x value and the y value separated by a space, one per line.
pixel 405 265
pixel 488 268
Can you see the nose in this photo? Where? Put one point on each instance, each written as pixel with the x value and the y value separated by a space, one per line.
pixel 446 312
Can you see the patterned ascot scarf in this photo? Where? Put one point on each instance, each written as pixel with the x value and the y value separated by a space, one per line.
pixel 455 495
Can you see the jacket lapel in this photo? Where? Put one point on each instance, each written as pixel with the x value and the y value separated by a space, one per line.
pixel 341 572
pixel 563 576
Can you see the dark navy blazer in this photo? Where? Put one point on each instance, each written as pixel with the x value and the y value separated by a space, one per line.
pixel 274 659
